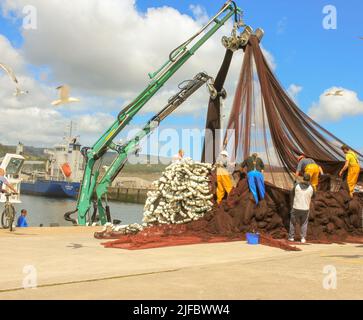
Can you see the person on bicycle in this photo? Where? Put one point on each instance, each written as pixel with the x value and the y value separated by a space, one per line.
pixel 5 181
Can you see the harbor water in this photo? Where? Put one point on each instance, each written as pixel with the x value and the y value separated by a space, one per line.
pixel 46 211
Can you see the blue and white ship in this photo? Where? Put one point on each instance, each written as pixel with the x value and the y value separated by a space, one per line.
pixel 49 188
pixel 63 172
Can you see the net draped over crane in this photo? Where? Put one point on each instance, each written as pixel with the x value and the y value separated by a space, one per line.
pixel 265 120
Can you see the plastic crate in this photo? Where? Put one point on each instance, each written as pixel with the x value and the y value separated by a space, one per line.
pixel 253 238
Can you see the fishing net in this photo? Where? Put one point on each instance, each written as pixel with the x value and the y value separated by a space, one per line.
pixel 265 120
pixel 335 218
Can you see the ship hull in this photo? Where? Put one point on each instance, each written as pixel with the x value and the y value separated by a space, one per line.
pixel 54 189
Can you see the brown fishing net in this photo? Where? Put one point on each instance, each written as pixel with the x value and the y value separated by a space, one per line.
pixel 335 218
pixel 264 119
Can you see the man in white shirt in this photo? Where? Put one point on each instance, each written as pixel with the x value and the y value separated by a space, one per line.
pixel 302 194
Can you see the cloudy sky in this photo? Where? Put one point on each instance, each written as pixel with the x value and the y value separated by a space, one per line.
pixel 104 50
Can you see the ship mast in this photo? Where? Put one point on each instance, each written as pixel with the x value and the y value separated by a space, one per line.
pixel 71 129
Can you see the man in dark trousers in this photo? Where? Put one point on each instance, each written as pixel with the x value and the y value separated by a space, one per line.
pixel 256 181
pixel 301 196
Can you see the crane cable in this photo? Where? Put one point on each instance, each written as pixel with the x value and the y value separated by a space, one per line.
pixel 184 44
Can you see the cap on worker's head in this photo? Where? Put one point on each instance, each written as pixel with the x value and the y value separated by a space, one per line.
pixel 224 153
pixel 345 147
pixel 306 177
pixel 300 157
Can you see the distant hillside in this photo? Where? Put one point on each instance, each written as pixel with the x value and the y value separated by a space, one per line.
pixel 30 153
pixel 142 159
pixel 6 149
pixel 35 152
pixel 145 165
pixel 137 169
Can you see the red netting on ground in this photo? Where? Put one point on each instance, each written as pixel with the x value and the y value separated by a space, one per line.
pixel 335 218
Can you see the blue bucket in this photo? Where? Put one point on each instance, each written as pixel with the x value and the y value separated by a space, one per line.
pixel 253 238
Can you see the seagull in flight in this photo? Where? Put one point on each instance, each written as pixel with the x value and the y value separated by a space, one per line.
pixel 18 92
pixel 335 93
pixel 64 96
pixel 9 72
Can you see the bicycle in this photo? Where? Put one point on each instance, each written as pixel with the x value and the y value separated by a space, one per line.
pixel 8 215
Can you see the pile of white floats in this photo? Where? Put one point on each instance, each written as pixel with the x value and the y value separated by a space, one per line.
pixel 181 195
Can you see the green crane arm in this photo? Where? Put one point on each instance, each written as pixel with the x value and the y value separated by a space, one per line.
pixel 177 58
pixel 187 88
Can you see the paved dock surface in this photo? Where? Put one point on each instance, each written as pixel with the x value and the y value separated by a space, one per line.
pixel 68 263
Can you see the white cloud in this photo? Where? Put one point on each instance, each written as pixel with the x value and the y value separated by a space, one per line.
pixel 334 108
pixel 294 90
pixel 43 127
pixel 108 47
pixel 270 58
pixel 200 13
pixel 103 49
pixel 281 25
pixel 30 118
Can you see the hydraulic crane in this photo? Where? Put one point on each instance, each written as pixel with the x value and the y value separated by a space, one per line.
pixel 178 57
pixel 187 88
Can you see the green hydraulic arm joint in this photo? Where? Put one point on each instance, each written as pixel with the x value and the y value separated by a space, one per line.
pixel 187 88
pixel 177 58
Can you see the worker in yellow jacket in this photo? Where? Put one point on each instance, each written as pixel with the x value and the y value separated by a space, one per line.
pixel 309 166
pixel 352 164
pixel 224 180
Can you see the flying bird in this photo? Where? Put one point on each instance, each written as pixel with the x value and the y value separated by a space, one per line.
pixel 335 93
pixel 64 96
pixel 18 92
pixel 9 72
pixel 360 38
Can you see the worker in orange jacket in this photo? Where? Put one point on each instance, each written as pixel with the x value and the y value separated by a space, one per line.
pixel 352 164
